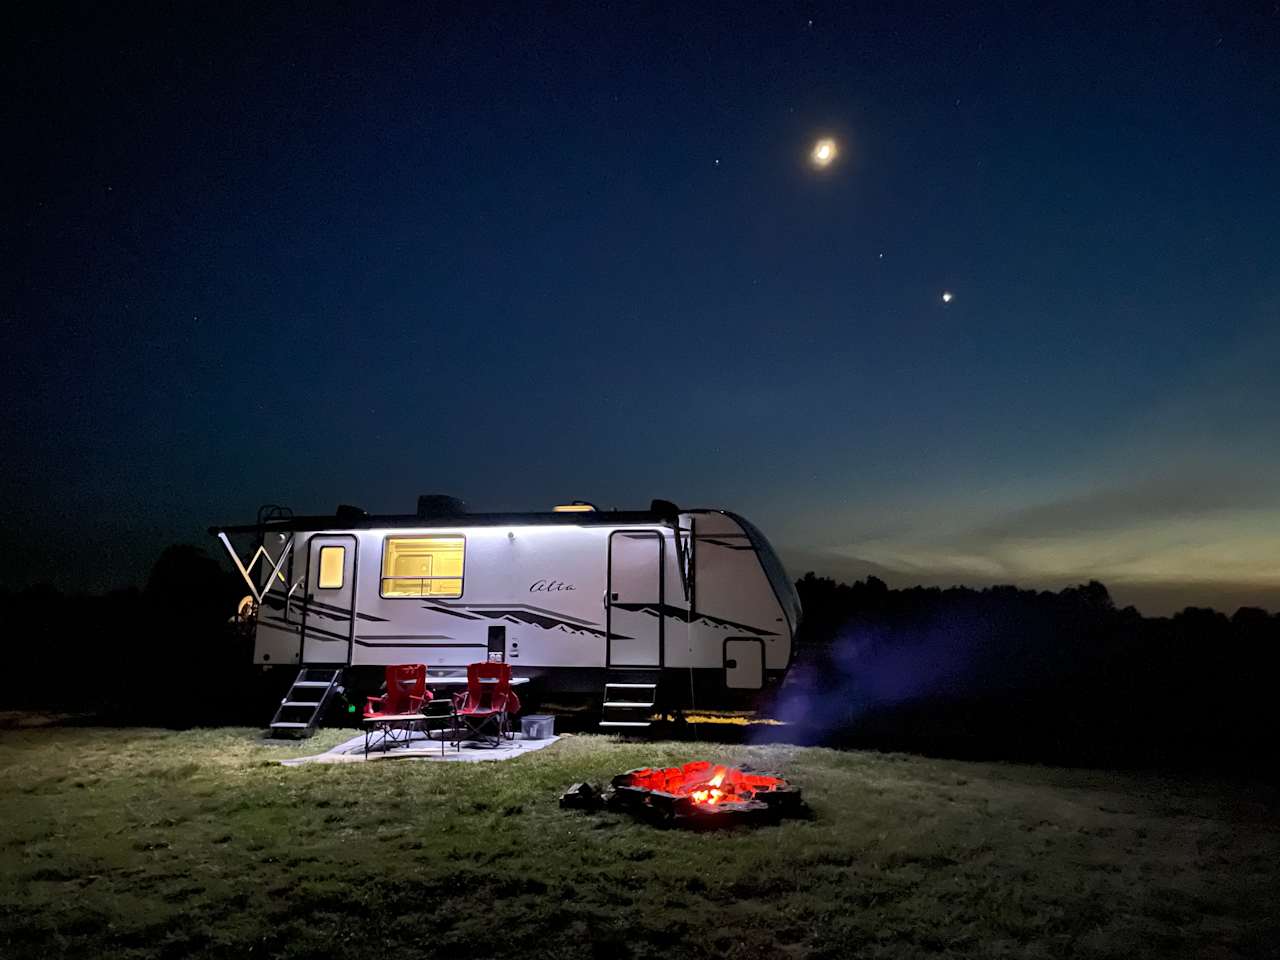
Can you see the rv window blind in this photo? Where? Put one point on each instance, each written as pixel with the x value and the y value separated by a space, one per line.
pixel 422 566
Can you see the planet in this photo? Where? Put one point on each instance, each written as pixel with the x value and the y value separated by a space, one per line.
pixel 824 153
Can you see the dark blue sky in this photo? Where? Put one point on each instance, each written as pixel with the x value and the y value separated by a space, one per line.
pixel 524 256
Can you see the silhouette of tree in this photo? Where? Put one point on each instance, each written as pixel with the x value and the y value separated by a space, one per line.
pixel 1060 677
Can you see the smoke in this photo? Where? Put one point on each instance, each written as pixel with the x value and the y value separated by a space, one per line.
pixel 869 667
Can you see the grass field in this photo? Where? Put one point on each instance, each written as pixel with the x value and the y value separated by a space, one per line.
pixel 137 842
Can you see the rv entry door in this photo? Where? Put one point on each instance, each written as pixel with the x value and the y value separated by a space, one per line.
pixel 634 601
pixel 328 612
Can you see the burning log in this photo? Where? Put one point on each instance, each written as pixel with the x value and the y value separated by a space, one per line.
pixel 697 794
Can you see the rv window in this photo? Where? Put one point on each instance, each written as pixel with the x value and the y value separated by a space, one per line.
pixel 332 560
pixel 422 566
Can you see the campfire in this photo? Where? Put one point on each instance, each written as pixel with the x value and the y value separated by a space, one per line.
pixel 699 793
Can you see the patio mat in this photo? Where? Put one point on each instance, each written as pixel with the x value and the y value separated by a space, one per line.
pixel 421 747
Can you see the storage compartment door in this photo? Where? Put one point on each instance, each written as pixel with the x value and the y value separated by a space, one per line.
pixel 744 664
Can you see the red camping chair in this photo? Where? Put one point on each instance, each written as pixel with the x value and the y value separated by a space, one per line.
pixel 400 708
pixel 484 711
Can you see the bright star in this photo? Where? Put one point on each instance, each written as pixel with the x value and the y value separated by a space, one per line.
pixel 947 296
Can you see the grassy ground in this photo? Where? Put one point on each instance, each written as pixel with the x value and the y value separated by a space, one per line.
pixel 134 842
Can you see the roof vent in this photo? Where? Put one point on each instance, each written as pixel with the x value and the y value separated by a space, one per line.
pixel 346 513
pixel 438 505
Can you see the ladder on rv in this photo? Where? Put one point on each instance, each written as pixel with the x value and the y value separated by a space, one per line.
pixel 630 697
pixel 303 706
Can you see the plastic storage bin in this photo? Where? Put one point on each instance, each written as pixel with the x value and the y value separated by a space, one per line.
pixel 537 726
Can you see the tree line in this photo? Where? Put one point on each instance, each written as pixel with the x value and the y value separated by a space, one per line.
pixel 1001 672
pixel 1056 677
pixel 166 654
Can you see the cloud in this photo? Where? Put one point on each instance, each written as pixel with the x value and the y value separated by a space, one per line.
pixel 1154 596
pixel 1163 542
pixel 1177 503
pixel 1168 496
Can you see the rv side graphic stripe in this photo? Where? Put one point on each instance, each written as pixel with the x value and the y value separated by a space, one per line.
pixel 320 604
pixel 538 620
pixel 277 602
pixel 480 608
pixel 410 643
pixel 281 624
pixel 666 610
pixel 408 636
pixel 311 614
pixel 315 631
pixel 731 546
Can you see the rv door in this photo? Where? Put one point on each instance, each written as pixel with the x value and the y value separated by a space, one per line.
pixel 635 599
pixel 328 613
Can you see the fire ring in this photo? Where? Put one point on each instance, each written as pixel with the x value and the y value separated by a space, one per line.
pixel 699 793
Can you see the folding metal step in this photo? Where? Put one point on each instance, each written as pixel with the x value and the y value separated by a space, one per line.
pixel 299 716
pixel 629 698
pixel 640 694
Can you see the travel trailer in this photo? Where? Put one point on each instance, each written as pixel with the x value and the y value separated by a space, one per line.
pixel 645 612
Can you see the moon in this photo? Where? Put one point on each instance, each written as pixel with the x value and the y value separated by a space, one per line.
pixel 824 153
pixel 947 296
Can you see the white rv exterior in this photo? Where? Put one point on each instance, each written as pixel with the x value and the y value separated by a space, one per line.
pixel 572 600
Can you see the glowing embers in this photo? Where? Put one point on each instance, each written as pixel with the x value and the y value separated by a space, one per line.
pixel 702 793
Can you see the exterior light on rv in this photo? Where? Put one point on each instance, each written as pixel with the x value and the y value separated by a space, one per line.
pixel 576 507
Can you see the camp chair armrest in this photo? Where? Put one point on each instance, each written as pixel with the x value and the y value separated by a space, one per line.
pixel 512 704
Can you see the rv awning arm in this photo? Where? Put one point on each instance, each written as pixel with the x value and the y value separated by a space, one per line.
pixel 261 552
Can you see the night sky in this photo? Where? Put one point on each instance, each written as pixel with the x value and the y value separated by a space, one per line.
pixel 527 256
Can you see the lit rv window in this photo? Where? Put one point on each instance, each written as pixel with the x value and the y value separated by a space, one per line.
pixel 422 566
pixel 332 560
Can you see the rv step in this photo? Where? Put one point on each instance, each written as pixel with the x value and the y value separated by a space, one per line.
pixel 630 699
pixel 306 714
